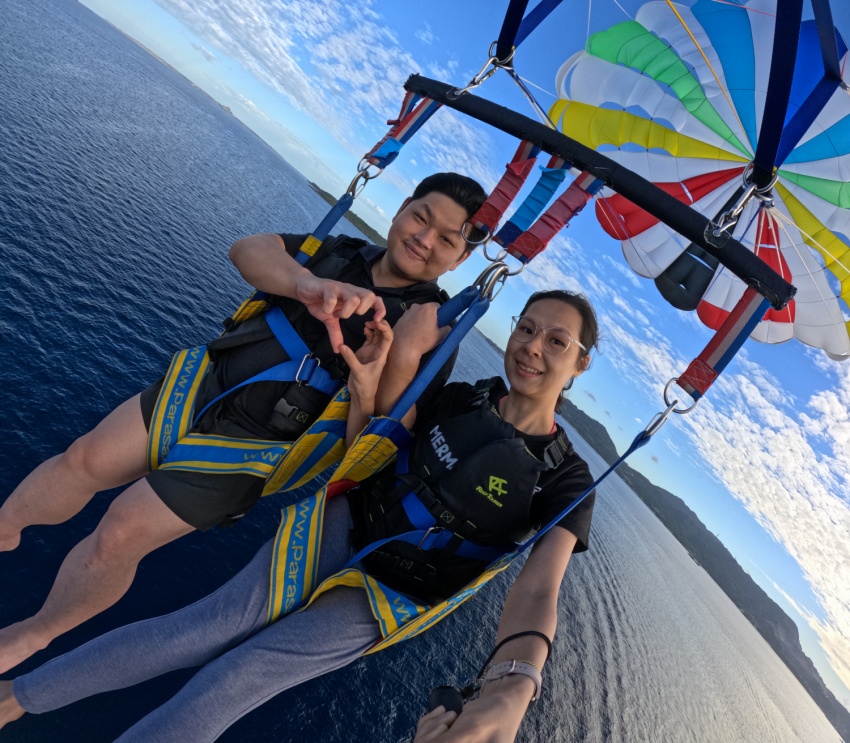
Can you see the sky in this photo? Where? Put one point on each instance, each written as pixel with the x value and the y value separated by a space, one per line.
pixel 764 459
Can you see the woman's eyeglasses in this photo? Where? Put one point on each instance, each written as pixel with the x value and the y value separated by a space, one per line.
pixel 555 340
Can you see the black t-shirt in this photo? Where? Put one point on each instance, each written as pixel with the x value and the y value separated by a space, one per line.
pixel 556 489
pixel 251 348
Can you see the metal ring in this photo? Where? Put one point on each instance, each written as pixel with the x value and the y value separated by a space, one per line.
pixel 468 226
pixel 682 411
pixel 499 256
pixel 491 52
pixel 363 167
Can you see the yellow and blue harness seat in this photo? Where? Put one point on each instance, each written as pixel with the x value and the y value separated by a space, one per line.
pixel 293 583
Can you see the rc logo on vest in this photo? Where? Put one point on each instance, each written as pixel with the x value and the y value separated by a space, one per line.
pixel 496 487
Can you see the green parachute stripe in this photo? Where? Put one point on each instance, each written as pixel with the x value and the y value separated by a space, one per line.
pixel 632 45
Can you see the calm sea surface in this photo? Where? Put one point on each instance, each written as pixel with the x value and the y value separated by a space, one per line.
pixel 121 188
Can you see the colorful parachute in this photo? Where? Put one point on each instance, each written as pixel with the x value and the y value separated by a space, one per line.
pixel 678 96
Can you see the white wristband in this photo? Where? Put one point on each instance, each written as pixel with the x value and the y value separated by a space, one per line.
pixel 508 667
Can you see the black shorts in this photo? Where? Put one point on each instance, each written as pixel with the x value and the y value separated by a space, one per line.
pixel 201 499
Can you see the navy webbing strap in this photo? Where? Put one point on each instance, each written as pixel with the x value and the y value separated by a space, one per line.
pixel 517 25
pixel 786 36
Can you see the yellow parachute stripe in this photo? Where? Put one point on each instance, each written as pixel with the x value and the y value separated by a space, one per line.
pixel 834 251
pixel 594 127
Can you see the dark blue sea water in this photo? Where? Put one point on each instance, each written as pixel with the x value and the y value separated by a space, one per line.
pixel 121 188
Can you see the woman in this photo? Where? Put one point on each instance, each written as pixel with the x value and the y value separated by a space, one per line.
pixel 464 435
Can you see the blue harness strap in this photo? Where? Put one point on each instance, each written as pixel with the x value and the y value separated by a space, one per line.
pixel 303 367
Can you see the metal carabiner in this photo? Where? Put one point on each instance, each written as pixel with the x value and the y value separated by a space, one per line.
pixel 495 273
pixel 484 72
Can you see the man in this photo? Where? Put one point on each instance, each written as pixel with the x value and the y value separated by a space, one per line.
pixel 328 305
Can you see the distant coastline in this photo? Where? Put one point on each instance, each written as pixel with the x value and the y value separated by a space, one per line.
pixel 772 623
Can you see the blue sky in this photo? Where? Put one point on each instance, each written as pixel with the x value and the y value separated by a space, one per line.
pixel 764 460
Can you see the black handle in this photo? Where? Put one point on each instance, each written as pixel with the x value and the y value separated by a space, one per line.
pixel 448 696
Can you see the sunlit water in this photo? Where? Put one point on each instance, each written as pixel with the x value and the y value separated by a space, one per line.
pixel 121 187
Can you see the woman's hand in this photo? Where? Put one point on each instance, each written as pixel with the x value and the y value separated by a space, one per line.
pixel 434 724
pixel 330 301
pixel 365 368
pixel 367 364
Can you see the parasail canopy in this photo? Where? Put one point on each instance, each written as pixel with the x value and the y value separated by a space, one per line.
pixel 688 98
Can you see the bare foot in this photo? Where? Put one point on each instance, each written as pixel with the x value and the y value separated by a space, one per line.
pixel 10 710
pixel 17 643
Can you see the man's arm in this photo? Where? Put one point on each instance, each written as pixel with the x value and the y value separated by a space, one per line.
pixel 264 263
pixel 416 333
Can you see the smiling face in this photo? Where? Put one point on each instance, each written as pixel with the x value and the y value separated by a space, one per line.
pixel 424 241
pixel 534 373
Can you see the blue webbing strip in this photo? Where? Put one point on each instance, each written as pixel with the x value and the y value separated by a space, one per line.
pixel 536 201
pixel 828 40
pixel 327 224
pixel 510 27
pixel 289 340
pixel 786 37
pixel 747 328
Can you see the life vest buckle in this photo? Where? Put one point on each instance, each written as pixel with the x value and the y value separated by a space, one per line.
pixel 309 371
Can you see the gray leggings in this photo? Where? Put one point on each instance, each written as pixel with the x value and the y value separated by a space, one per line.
pixel 245 663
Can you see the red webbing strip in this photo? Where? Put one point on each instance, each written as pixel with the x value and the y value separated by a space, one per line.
pixel 516 173
pixel 701 372
pixel 535 239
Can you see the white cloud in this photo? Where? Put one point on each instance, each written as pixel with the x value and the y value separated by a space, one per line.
pixel 425 34
pixel 346 91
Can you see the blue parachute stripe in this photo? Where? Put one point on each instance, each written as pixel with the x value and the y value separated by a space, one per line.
pixel 728 28
pixel 823 145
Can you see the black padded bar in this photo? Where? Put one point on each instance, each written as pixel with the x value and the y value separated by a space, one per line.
pixel 686 221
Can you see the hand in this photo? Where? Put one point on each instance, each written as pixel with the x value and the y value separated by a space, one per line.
pixel 329 301
pixel 367 364
pixel 417 332
pixel 436 722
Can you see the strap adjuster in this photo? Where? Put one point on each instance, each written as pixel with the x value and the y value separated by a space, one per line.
pixel 310 370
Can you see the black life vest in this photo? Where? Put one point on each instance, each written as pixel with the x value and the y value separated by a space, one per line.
pixel 472 475
pixel 339 258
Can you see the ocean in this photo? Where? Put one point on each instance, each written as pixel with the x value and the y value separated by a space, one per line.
pixel 121 188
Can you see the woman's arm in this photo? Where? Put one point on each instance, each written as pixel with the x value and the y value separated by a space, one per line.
pixel 264 264
pixel 532 604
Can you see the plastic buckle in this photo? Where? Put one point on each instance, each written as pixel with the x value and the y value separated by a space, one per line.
pixel 306 379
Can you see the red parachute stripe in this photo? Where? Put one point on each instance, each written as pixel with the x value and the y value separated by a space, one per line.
pixel 767 248
pixel 622 219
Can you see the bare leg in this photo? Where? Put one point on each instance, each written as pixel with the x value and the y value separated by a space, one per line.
pixel 112 454
pixel 97 572
pixel 9 708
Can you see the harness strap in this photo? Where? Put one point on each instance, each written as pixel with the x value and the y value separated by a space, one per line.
pixel 516 173
pixel 410 120
pixel 728 339
pixel 550 178
pixel 303 367
pixel 534 240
